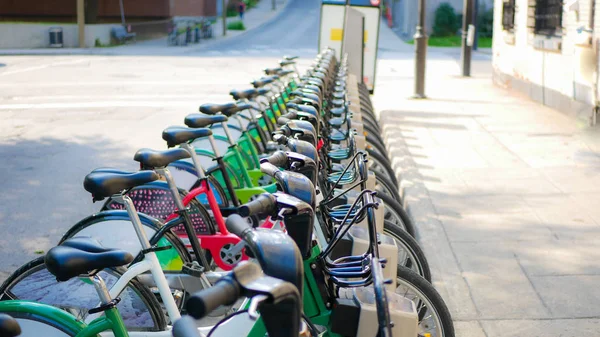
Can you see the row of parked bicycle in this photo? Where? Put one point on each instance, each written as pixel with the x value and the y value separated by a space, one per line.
pixel 275 214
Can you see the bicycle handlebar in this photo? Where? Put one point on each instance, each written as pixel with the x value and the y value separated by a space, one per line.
pixel 268 169
pixel 225 292
pixel 279 159
pixel 264 203
pixel 237 225
pixel 185 327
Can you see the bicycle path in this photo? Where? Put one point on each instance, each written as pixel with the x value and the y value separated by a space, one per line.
pixel 504 193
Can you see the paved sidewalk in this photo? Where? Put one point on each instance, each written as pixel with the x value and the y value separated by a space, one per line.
pixel 254 18
pixel 505 194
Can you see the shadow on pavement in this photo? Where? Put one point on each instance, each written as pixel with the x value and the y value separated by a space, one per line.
pixel 42 192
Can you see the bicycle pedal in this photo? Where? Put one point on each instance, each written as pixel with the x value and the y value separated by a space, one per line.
pixel 192 269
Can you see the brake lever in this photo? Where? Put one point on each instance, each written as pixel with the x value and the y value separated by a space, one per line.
pixel 254 302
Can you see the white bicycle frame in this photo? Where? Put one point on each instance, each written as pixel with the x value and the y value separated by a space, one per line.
pixel 150 263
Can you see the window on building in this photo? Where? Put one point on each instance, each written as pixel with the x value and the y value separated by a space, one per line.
pixel 508 15
pixel 545 16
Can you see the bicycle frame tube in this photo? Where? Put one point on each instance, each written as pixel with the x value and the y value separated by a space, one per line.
pixel 111 321
pixel 184 212
pixel 150 262
pixel 47 311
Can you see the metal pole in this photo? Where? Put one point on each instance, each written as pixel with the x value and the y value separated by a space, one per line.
pixel 122 12
pixel 465 55
pixel 224 16
pixel 420 38
pixel 475 14
pixel 273 5
pixel 81 22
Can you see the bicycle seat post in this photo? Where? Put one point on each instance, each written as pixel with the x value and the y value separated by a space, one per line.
pixel 153 264
pixel 101 289
pixel 228 134
pixel 184 213
pixel 192 151
pixel 135 219
pixel 211 139
pixel 163 171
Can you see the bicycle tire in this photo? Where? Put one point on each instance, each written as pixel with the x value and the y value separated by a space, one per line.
pixel 370 118
pixel 24 318
pixel 406 277
pixel 171 259
pixel 377 143
pixel 36 271
pixel 369 123
pixel 394 206
pixel 405 240
pixel 385 185
pixel 156 200
pixel 374 132
pixel 386 169
pixel 374 144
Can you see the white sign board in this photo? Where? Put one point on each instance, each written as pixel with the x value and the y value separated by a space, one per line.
pixel 331 34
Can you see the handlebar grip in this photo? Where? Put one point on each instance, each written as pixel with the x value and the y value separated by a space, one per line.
pixel 279 138
pixel 279 159
pixel 185 327
pixel 268 169
pixel 225 292
pixel 291 106
pixel 282 120
pixel 263 204
pixel 237 225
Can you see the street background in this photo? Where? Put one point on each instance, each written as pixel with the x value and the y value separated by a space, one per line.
pixel 503 190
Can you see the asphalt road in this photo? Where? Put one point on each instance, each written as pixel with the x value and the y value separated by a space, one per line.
pixel 63 116
pixel 295 28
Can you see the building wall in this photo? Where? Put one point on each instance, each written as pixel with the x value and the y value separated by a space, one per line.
pixel 25 36
pixel 194 8
pixel 562 79
pixel 132 8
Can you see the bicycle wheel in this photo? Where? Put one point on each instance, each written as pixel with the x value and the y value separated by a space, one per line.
pixel 374 132
pixel 381 165
pixel 377 145
pixel 114 229
pixel 156 200
pixel 35 324
pixel 410 254
pixel 140 309
pixel 434 317
pixel 394 213
pixel 383 184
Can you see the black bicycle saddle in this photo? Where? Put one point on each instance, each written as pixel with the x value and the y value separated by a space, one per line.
pixel 202 120
pixel 213 108
pixel 80 256
pixel 104 183
pixel 152 158
pixel 175 135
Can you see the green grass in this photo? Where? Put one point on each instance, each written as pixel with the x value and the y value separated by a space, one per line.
pixel 236 25
pixel 454 41
pixel 232 12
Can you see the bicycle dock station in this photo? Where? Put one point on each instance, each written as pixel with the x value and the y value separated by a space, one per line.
pixel 275 212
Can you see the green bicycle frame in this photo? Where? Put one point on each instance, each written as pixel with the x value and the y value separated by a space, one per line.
pixel 241 171
pixel 315 307
pixel 110 321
